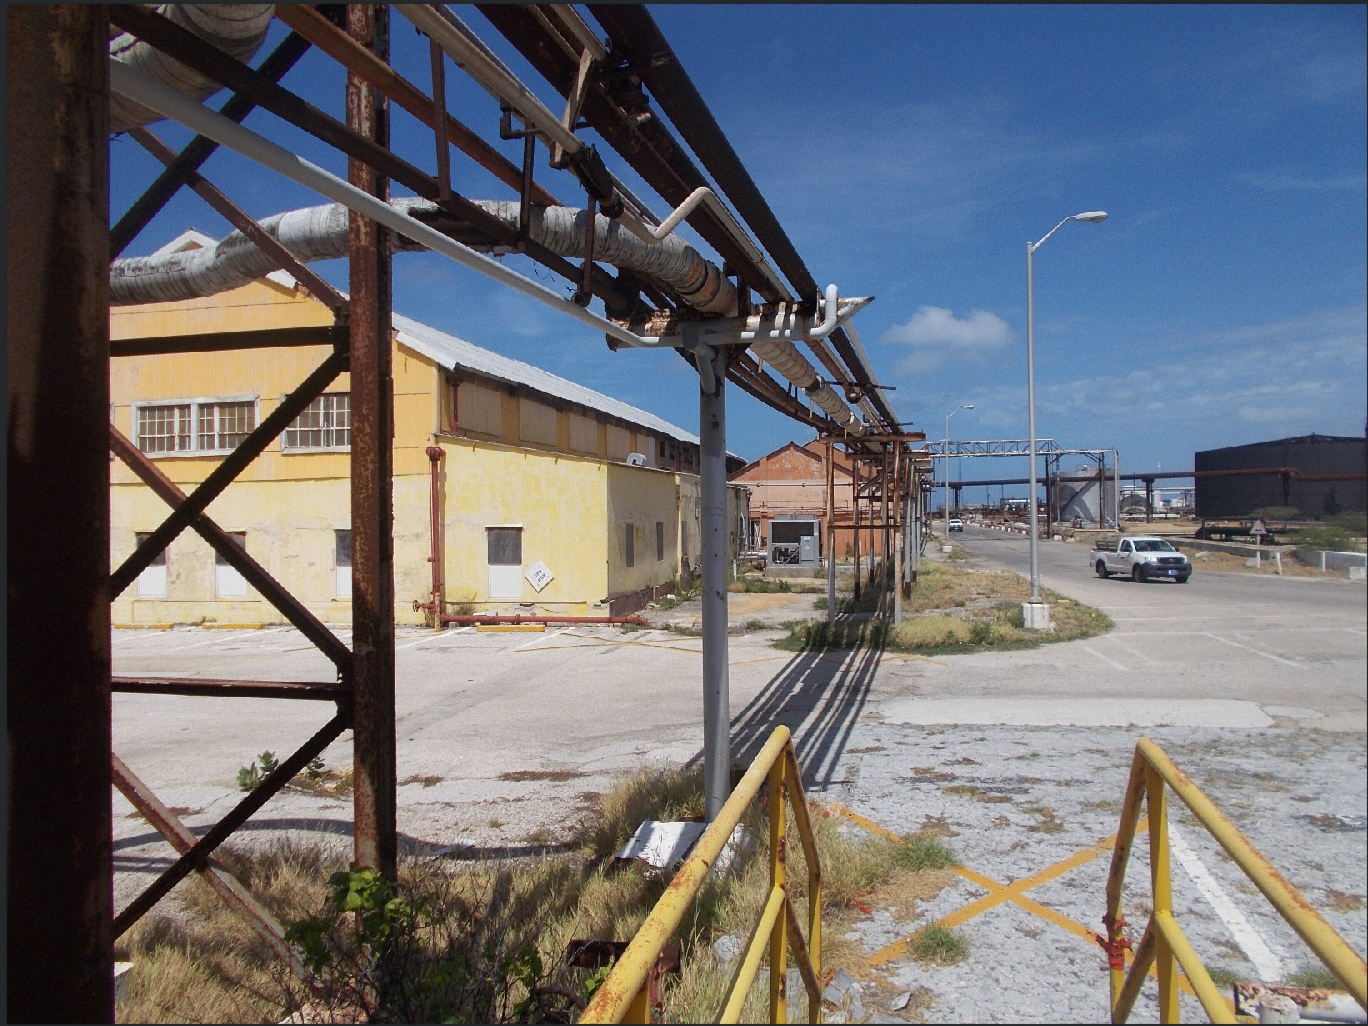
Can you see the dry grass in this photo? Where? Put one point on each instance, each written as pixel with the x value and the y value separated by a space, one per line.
pixel 485 939
pixel 1341 901
pixel 1229 562
pixel 954 609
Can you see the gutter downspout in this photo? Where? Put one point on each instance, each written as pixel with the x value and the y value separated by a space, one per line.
pixel 434 455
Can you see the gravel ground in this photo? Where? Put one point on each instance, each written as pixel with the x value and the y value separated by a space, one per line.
pixel 1045 794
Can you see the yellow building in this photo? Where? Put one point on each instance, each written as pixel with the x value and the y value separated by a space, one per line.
pixel 553 498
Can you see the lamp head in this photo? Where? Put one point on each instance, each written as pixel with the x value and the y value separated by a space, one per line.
pixel 1091 216
pixel 970 406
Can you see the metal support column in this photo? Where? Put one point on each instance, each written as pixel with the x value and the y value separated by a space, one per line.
pixel 372 399
pixel 855 474
pixel 59 890
pixel 898 521
pixel 831 530
pixel 712 433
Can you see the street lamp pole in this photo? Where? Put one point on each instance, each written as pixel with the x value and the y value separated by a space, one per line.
pixel 1036 613
pixel 968 406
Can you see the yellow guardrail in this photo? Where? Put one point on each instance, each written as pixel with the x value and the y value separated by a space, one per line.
pixel 1163 943
pixel 624 995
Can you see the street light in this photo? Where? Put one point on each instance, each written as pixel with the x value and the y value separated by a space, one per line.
pixel 1035 613
pixel 967 406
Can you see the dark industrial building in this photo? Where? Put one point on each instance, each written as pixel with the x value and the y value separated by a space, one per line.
pixel 1318 475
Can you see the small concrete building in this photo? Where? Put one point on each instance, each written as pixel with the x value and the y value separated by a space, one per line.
pixel 788 503
pixel 553 498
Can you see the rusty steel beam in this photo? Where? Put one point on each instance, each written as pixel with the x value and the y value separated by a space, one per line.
pixel 195 53
pixel 205 687
pixel 238 558
pixel 238 218
pixel 227 886
pixel 372 470
pixel 635 35
pixel 59 886
pixel 222 475
pixel 322 33
pixel 200 149
pixel 222 341
pixel 196 856
pixel 643 142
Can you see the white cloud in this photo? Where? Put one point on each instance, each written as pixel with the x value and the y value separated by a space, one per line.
pixel 936 335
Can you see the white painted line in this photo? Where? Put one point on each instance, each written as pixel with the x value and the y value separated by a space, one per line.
pixel 1110 639
pixel 227 636
pixel 1110 662
pixel 423 640
pixel 1247 648
pixel 545 637
pixel 1269 965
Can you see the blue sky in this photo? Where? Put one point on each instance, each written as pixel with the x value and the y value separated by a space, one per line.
pixel 912 151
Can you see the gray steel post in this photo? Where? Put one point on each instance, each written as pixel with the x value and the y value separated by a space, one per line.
pixel 712 433
pixel 59 889
pixel 831 531
pixel 1030 406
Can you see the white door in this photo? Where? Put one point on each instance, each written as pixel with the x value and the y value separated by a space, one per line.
pixel 228 583
pixel 505 562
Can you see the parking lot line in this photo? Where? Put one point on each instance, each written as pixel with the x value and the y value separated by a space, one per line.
pixel 1247 648
pixel 1110 662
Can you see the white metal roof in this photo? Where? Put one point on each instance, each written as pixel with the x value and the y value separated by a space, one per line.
pixel 453 353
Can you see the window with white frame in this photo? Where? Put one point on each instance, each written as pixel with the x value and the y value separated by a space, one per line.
pixel 324 424
pixel 194 427
pixel 152 581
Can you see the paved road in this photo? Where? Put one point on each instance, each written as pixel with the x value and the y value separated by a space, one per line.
pixel 1292 645
pixel 1238 676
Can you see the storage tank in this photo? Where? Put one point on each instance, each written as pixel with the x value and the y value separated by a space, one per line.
pixel 1083 497
pixel 1282 462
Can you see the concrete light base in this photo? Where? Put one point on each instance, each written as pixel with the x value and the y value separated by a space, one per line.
pixel 1036 616
pixel 947 548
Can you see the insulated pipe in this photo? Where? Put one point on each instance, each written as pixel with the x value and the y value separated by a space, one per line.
pixel 236 29
pixel 434 455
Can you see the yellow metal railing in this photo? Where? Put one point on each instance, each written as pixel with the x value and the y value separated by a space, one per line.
pixel 624 995
pixel 1163 943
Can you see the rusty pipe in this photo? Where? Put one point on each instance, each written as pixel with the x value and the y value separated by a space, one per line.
pixel 434 455
pixel 640 621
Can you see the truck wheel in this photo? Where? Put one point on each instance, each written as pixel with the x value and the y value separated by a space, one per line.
pixel 1138 574
pixel 1102 571
pixel 1182 580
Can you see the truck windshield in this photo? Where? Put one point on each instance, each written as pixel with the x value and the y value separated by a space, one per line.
pixel 1145 545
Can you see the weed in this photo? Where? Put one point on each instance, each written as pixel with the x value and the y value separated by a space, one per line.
pixel 1315 976
pixel 541 835
pixel 1224 976
pixel 756 625
pixel 935 945
pixel 763 586
pixel 249 777
pixel 682 629
pixel 1048 823
pixel 557 776
pixel 1340 901
pixel 425 781
pixel 494 824
pixel 921 853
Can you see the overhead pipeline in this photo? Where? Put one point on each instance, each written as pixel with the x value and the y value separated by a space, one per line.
pixel 236 29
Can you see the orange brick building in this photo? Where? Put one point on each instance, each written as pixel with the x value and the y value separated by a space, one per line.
pixel 790 484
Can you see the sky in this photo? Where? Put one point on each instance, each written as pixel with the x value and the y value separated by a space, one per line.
pixel 911 153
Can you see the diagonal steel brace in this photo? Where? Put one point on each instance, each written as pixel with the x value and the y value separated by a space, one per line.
pixel 236 556
pixel 236 461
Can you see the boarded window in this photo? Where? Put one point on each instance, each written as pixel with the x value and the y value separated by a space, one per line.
pixel 342 546
pixel 631 544
pixel 228 583
pixel 619 443
pixel 536 422
pixel 152 581
pixel 479 409
pixel 583 433
pixel 660 540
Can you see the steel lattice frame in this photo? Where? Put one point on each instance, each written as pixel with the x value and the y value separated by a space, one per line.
pixel 60 891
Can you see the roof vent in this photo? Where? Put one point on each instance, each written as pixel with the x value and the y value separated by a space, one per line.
pixel 636 459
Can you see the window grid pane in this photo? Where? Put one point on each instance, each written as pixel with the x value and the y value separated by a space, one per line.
pixel 164 428
pixel 324 424
pixel 223 426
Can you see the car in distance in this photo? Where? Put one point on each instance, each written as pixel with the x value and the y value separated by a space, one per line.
pixel 1142 558
pixel 956 524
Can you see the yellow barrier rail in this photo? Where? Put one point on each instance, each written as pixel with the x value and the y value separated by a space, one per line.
pixel 1163 944
pixel 624 995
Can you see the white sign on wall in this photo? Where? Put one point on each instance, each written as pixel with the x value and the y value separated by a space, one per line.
pixel 539 576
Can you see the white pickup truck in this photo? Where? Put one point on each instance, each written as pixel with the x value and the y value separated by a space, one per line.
pixel 1143 558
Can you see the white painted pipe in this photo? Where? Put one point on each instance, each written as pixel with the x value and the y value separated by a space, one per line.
pixel 166 101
